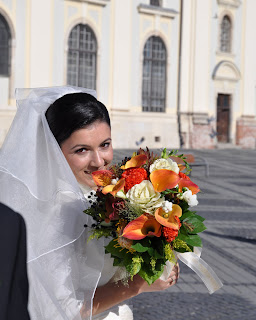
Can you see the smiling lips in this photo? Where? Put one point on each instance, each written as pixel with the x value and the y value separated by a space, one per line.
pixel 103 168
pixel 89 172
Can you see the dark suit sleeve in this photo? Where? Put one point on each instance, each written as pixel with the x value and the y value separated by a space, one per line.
pixel 13 270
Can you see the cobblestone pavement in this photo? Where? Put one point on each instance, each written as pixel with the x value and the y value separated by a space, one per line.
pixel 228 202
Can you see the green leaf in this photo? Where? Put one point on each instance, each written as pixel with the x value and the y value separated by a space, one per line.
pixel 193 225
pixel 133 269
pixel 128 258
pixel 148 275
pixel 186 214
pixel 158 255
pixel 133 264
pixel 159 265
pixel 184 206
pixel 140 248
pixel 116 250
pixel 199 217
pixel 167 191
pixel 183 230
pixel 154 253
pixel 173 153
pixel 118 262
pixel 151 251
pixel 192 239
pixel 164 154
pixel 181 246
pixel 182 237
pixel 146 257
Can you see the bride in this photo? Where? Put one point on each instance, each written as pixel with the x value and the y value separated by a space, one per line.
pixel 59 136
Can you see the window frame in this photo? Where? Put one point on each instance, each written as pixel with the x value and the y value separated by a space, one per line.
pixel 226 43
pixel 82 54
pixel 6 72
pixel 159 4
pixel 151 78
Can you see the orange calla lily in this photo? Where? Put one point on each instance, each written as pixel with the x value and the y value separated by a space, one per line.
pixel 114 188
pixel 185 182
pixel 163 179
pixel 168 219
pixel 102 177
pixel 135 162
pixel 142 227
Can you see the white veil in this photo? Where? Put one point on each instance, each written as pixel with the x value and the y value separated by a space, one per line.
pixel 36 181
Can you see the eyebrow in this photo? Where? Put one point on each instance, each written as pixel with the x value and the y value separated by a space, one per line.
pixel 85 145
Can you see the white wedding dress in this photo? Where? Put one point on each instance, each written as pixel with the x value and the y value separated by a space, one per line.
pixel 109 272
pixel 63 268
pixel 120 312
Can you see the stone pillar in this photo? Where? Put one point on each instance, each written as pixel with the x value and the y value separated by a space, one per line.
pixel 203 136
pixel 198 131
pixel 246 132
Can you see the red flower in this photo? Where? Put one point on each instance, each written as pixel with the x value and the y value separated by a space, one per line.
pixel 169 233
pixel 183 176
pixel 113 206
pixel 134 176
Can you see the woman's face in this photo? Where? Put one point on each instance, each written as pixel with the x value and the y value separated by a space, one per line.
pixel 88 150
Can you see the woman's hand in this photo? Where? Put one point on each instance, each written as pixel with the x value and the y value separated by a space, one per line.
pixel 159 284
pixel 113 293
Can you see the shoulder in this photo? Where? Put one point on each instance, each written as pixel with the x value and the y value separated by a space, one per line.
pixel 9 217
pixel 12 232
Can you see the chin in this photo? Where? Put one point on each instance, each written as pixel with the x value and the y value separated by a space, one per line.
pixel 92 185
pixel 88 182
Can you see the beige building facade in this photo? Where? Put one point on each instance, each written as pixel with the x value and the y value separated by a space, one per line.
pixel 170 72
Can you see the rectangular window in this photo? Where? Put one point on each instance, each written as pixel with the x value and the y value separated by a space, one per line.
pixel 156 3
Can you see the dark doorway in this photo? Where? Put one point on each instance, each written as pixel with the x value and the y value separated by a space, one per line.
pixel 223 117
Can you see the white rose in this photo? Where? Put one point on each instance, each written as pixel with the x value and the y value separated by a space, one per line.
pixel 164 164
pixel 190 198
pixel 145 196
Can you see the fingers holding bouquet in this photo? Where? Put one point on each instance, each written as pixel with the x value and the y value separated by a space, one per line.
pixel 157 285
pixel 174 275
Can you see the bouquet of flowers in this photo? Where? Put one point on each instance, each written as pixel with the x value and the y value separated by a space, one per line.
pixel 143 204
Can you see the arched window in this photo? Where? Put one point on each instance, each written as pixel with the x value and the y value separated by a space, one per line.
pixel 225 37
pixel 154 75
pixel 82 57
pixel 5 48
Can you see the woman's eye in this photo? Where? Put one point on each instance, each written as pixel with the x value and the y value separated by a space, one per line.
pixel 81 150
pixel 105 145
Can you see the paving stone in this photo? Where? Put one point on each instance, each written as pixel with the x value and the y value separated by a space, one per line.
pixel 198 306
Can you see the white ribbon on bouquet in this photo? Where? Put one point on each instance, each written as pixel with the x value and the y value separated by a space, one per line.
pixel 199 266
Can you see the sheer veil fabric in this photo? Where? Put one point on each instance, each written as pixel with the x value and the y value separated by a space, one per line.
pixel 36 181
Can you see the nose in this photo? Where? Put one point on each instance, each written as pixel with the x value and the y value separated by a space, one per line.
pixel 97 160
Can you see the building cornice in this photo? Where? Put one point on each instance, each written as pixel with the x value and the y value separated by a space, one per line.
pixel 101 3
pixel 157 11
pixel 230 3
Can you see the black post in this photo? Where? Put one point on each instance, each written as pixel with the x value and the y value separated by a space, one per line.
pixel 179 76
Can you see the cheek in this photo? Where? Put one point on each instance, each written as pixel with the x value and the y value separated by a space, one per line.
pixel 109 155
pixel 77 163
